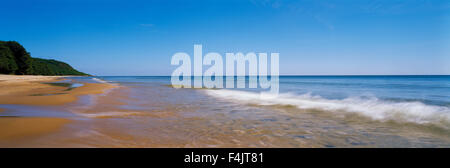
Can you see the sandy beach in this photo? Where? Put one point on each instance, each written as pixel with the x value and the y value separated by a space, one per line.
pixel 26 90
pixel 36 90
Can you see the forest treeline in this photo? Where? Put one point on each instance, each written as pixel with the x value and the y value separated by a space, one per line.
pixel 14 59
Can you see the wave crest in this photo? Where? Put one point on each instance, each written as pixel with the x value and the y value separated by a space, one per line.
pixel 99 80
pixel 414 112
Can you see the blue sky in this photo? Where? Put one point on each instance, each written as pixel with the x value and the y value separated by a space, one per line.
pixel 335 37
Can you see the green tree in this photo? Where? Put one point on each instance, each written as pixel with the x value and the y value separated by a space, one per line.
pixel 7 63
pixel 22 58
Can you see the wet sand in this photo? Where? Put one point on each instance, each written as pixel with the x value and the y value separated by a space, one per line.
pixel 13 128
pixel 35 90
pixel 26 90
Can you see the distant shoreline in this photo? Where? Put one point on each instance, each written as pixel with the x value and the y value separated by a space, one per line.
pixel 278 75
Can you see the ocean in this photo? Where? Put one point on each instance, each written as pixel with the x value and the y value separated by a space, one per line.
pixel 309 111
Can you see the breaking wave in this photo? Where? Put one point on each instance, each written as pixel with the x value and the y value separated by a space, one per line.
pixel 108 114
pixel 406 111
pixel 103 81
pixel 99 80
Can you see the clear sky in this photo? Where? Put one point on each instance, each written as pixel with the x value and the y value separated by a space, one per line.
pixel 335 37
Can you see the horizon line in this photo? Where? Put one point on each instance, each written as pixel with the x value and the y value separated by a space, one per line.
pixel 280 75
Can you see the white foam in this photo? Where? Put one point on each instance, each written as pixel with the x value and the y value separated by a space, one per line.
pixel 108 114
pixel 374 108
pixel 99 80
pixel 103 81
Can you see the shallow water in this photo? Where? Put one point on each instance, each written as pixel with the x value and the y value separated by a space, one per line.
pixel 322 111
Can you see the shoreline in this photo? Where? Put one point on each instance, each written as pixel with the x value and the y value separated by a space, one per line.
pixel 36 90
